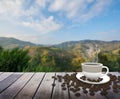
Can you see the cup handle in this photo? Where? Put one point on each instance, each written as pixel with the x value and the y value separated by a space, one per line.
pixel 106 69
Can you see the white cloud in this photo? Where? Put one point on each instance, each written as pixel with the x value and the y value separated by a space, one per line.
pixel 96 9
pixel 85 9
pixel 58 5
pixel 31 16
pixel 11 7
pixel 44 26
pixel 42 3
pixel 82 9
pixel 17 9
pixel 70 7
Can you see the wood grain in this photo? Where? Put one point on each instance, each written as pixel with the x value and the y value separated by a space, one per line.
pixel 5 75
pixel 39 86
pixel 45 89
pixel 1 73
pixel 58 93
pixel 9 81
pixel 72 94
pixel 12 91
pixel 28 91
pixel 111 94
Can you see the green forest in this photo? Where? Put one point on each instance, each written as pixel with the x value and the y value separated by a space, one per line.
pixel 50 59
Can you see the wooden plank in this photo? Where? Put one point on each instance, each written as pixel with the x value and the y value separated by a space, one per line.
pixel 12 91
pixel 96 96
pixel 118 73
pixel 111 94
pixel 45 89
pixel 99 96
pixel 28 91
pixel 12 83
pixel 1 73
pixel 114 73
pixel 5 75
pixel 58 93
pixel 73 96
pixel 82 95
pixel 8 81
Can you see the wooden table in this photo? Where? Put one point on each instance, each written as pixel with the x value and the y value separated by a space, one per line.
pixel 39 86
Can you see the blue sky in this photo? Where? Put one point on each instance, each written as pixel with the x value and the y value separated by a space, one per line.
pixel 56 21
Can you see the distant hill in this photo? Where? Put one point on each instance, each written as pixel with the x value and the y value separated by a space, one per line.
pixel 9 43
pixel 88 47
pixel 104 45
pixel 85 47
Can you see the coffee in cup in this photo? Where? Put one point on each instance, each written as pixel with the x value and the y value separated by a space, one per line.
pixel 93 70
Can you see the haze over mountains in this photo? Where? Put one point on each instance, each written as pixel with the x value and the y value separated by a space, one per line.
pixel 84 46
pixel 9 43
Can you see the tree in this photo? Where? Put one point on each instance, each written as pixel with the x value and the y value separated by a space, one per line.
pixel 118 60
pixel 119 52
pixel 1 49
pixel 15 60
pixel 103 58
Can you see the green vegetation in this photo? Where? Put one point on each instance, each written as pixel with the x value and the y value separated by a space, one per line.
pixel 13 60
pixel 64 57
pixel 38 59
pixel 52 59
pixel 111 60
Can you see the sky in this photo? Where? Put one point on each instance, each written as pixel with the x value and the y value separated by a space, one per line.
pixel 56 21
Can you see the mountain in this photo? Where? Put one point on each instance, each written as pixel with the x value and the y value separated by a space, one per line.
pixel 87 44
pixel 88 48
pixel 9 43
pixel 68 56
pixel 104 45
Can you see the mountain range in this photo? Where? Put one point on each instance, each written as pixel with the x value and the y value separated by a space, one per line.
pixel 9 43
pixel 82 46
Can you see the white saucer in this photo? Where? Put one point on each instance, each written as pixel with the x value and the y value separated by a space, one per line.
pixel 106 78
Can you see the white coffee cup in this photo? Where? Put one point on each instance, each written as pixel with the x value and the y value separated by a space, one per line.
pixel 93 70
